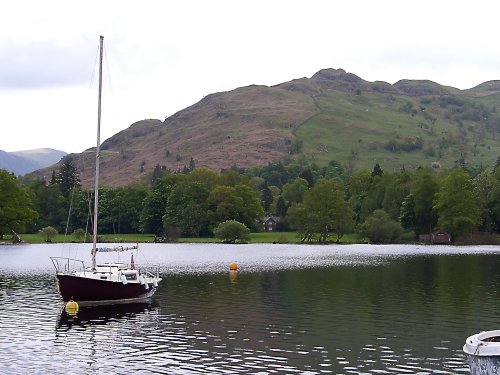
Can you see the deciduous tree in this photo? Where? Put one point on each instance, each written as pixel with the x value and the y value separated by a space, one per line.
pixel 48 233
pixel 323 211
pixel 294 191
pixel 15 205
pixel 223 204
pixel 298 219
pixel 307 175
pixel 486 185
pixel 380 228
pixel 251 210
pixel 407 214
pixel 457 204
pixel 187 208
pixel 232 231
pixel 155 203
pixel 51 205
pixel 424 190
pixel 281 207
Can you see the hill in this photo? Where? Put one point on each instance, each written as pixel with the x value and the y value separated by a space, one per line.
pixel 334 115
pixel 26 161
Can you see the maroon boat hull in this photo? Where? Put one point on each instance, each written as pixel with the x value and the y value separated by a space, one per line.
pixel 83 289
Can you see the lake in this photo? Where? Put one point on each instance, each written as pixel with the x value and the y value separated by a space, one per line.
pixel 338 309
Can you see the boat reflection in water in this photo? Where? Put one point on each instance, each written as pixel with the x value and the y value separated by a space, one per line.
pixel 101 314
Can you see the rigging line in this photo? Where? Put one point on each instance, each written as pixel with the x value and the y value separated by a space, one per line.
pixel 87 222
pixel 111 112
pixel 69 213
pixel 82 162
pixel 139 254
pixel 89 215
pixel 96 63
pixel 108 69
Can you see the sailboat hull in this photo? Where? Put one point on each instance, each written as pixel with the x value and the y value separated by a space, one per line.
pixel 95 291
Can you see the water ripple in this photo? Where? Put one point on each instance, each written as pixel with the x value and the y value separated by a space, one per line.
pixel 338 311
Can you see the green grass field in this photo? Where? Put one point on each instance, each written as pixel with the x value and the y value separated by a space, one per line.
pixel 262 237
pixel 273 237
pixel 61 238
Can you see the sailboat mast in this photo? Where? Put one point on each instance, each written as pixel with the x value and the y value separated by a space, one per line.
pixel 97 155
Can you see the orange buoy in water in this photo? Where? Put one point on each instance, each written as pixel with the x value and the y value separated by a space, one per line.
pixel 233 267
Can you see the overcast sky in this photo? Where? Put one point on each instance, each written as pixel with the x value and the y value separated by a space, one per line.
pixel 162 56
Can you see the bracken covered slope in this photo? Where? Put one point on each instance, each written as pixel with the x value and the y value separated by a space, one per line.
pixel 334 115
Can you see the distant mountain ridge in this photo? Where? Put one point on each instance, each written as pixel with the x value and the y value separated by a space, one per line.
pixel 26 161
pixel 334 115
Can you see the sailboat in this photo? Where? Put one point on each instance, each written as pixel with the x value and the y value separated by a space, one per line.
pixel 107 283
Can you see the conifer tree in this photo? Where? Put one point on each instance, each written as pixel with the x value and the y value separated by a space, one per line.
pixel 377 171
pixel 67 177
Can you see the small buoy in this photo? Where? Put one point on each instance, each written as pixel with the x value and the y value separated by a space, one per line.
pixel 233 267
pixel 71 307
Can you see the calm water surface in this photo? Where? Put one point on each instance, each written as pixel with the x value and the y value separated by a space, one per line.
pixel 289 309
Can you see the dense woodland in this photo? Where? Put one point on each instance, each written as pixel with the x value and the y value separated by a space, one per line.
pixel 320 203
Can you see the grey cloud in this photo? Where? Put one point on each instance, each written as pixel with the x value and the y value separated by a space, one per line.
pixel 45 64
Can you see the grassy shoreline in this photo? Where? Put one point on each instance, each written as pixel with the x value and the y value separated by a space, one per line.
pixel 261 237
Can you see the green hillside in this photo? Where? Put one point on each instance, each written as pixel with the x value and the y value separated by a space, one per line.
pixel 398 130
pixel 333 115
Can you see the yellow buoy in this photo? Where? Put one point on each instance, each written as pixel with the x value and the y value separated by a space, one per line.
pixel 233 266
pixel 72 307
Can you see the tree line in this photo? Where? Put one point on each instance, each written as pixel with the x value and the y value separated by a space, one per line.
pixel 321 204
